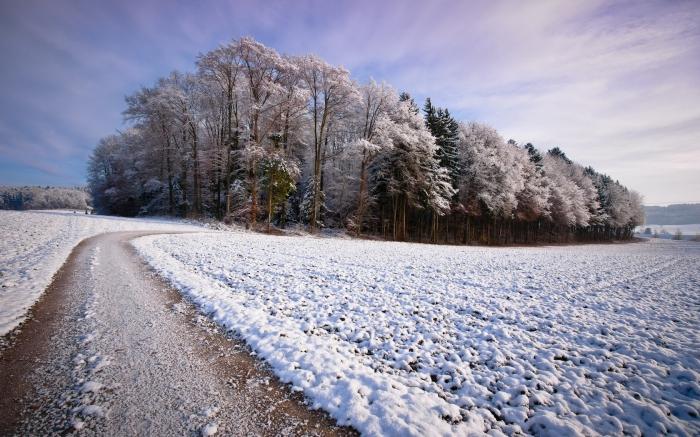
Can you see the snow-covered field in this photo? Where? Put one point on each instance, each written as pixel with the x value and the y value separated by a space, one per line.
pixel 35 244
pixel 406 339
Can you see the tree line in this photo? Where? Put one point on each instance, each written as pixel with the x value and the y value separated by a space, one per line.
pixel 23 198
pixel 268 139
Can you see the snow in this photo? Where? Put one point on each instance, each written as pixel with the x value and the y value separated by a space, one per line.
pixel 35 244
pixel 210 411
pixel 210 429
pixel 91 387
pixel 92 410
pixel 407 339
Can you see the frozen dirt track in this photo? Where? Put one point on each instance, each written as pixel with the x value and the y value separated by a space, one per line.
pixel 35 244
pixel 111 350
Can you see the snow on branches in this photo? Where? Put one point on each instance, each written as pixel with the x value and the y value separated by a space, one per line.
pixel 253 134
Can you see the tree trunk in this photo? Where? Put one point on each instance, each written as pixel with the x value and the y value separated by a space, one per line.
pixel 253 194
pixel 361 197
pixel 195 178
pixel 269 203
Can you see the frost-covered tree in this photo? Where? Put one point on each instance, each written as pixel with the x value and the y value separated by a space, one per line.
pixel 265 98
pixel 279 175
pixel 407 173
pixel 220 72
pixel 492 176
pixel 621 210
pixel 445 129
pixel 331 93
pixel 112 175
pixel 378 101
pixel 567 200
pixel 574 184
pixel 23 198
pixel 253 134
pixel 533 199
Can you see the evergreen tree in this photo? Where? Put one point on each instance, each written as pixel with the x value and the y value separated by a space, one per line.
pixel 306 207
pixel 429 111
pixel 407 175
pixel 602 183
pixel 406 97
pixel 535 156
pixel 278 182
pixel 448 146
pixel 558 153
pixel 445 129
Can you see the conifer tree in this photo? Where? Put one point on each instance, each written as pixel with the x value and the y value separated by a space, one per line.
pixel 535 155
pixel 558 153
pixel 445 129
pixel 406 97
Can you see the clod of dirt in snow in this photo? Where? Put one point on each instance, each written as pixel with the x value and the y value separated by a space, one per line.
pixel 210 411
pixel 90 387
pixel 98 363
pixel 87 338
pixel 92 410
pixel 210 429
pixel 77 424
pixel 179 307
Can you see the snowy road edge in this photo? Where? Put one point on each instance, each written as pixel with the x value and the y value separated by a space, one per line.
pixel 13 324
pixel 353 394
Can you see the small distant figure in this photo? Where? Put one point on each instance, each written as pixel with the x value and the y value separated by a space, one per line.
pixel 86 211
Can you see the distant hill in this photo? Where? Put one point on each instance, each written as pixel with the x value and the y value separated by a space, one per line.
pixel 682 214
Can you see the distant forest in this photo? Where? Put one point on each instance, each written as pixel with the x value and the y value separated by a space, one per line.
pixel 22 198
pixel 680 214
pixel 268 139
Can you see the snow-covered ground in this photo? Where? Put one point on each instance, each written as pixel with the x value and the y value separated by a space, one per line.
pixel 407 339
pixel 400 339
pixel 34 245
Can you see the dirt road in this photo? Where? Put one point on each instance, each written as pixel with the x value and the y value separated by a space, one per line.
pixel 112 350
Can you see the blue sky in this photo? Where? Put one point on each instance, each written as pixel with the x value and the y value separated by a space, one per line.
pixel 615 84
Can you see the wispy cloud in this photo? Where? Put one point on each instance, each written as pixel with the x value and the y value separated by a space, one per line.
pixel 613 83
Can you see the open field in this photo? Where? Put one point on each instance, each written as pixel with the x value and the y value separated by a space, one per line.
pixel 400 339
pixel 397 338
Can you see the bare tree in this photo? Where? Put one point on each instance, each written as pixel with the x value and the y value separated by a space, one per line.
pixel 331 92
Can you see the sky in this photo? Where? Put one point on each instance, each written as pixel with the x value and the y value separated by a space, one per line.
pixel 615 84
